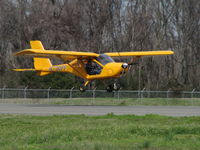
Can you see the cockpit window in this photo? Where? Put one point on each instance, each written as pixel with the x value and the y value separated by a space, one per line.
pixel 104 59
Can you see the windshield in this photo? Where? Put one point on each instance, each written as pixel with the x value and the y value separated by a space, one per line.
pixel 104 59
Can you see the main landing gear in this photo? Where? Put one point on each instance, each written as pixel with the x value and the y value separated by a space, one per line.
pixel 111 87
pixel 82 88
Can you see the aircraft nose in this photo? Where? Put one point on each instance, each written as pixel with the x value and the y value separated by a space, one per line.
pixel 124 65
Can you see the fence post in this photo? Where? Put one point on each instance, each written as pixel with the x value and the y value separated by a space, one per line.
pixel 93 95
pixel 139 94
pixel 118 95
pixel 71 92
pixel 168 91
pixel 192 93
pixel 25 91
pixel 142 96
pixel 149 94
pixel 48 92
pixel 3 90
pixel 192 96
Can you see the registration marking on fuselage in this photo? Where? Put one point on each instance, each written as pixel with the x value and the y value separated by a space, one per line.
pixel 58 68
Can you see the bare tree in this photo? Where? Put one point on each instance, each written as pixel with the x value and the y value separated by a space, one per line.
pixel 109 25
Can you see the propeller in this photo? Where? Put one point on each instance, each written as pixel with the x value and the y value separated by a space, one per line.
pixel 128 65
pixel 124 65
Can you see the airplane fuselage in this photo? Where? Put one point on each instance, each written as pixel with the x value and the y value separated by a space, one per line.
pixel 110 70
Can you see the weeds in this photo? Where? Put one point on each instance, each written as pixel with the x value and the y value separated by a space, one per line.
pixel 109 132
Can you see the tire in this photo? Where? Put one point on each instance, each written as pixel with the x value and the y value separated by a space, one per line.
pixel 109 88
pixel 82 88
pixel 116 87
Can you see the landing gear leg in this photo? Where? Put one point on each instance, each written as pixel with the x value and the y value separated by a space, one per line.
pixel 112 87
pixel 82 88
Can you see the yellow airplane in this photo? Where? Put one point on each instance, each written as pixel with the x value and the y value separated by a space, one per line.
pixel 87 65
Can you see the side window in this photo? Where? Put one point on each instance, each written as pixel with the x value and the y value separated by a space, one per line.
pixel 104 59
pixel 92 68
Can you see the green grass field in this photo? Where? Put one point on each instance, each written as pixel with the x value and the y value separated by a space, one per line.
pixel 109 101
pixel 110 132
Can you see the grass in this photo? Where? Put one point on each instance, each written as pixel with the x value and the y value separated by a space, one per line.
pixel 109 101
pixel 109 132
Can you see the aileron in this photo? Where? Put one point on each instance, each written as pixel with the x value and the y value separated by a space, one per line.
pixel 140 53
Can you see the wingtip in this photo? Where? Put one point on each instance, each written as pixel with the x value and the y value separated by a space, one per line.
pixel 16 54
pixel 170 52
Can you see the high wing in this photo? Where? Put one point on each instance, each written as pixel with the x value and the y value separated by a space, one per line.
pixel 37 50
pixel 64 55
pixel 140 53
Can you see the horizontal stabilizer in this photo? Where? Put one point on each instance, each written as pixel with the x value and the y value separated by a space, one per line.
pixel 39 72
pixel 43 73
pixel 24 69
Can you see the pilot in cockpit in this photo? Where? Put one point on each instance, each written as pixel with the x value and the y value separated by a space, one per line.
pixel 92 68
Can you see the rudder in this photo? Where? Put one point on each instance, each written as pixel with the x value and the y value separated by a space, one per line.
pixel 36 45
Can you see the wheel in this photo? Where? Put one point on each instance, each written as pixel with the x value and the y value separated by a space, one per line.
pixel 116 86
pixel 109 88
pixel 82 88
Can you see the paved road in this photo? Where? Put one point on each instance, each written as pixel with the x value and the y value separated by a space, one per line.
pixel 43 109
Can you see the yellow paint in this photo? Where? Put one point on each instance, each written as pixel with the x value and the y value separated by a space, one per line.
pixel 110 70
pixel 40 63
pixel 141 53
pixel 86 83
pixel 24 69
pixel 36 45
pixel 77 61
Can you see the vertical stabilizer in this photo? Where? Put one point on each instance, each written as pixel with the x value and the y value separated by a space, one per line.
pixel 36 45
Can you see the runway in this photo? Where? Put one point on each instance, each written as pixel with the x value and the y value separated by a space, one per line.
pixel 43 109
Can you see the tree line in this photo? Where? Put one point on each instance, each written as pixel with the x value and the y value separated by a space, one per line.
pixel 104 26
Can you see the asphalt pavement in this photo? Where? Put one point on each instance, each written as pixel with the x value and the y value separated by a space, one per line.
pixel 44 109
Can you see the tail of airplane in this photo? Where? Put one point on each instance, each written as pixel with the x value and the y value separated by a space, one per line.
pixel 40 64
